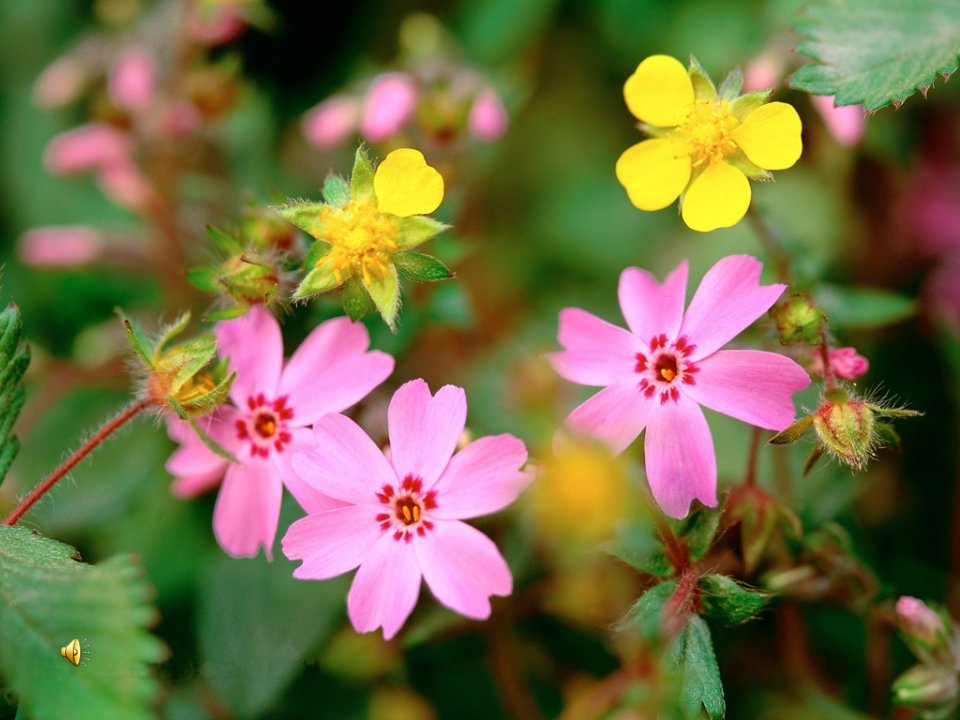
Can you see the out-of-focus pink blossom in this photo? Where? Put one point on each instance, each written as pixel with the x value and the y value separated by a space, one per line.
pixel 930 206
pixel 488 117
pixel 846 124
pixel 182 118
pixel 86 148
pixel 132 80
pixel 941 292
pixel 123 183
pixel 763 72
pixel 656 375
pixel 211 24
pixel 917 620
pixel 60 83
pixel 332 121
pixel 846 363
pixel 60 246
pixel 389 103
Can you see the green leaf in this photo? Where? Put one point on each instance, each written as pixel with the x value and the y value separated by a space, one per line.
pixel 794 432
pixel 692 653
pixel 224 242
pixel 308 216
pixel 418 266
pixel 204 278
pixel 385 293
pixel 724 599
pixel 257 627
pixel 355 299
pixel 646 615
pixel 361 179
pixel 746 104
pixel 336 191
pixel 876 52
pixel 11 331
pixel 47 599
pixel 316 252
pixel 703 86
pixel 731 86
pixel 137 339
pixel 416 230
pixel 698 530
pixel 863 307
pixel 170 332
pixel 318 280
pixel 204 436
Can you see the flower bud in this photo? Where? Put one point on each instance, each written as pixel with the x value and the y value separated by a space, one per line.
pixel 916 620
pixel 331 122
pixel 798 320
pixel 846 363
pixel 845 428
pixel 390 102
pixel 931 689
pixel 846 124
pixel 132 80
pixel 488 116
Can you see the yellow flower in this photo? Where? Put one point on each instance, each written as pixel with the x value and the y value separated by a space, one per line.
pixel 705 144
pixel 366 228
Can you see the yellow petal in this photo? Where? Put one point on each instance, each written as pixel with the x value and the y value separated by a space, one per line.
pixel 405 185
pixel 770 136
pixel 718 198
pixel 654 173
pixel 659 92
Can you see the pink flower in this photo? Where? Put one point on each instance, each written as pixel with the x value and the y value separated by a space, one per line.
pixel 846 363
pixel 273 404
pixel 60 83
pixel 390 102
pixel 846 124
pixel 60 246
pixel 657 374
pixel 402 515
pixel 86 148
pixel 916 619
pixel 488 116
pixel 331 122
pixel 132 80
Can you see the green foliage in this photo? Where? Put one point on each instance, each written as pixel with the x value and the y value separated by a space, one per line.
pixel 308 216
pixel 258 626
pixel 361 179
pixel 47 599
pixel 14 359
pixel 864 308
pixel 646 615
pixel 418 266
pixel 698 530
pixel 877 52
pixel 417 229
pixel 724 599
pixel 355 299
pixel 692 653
pixel 336 191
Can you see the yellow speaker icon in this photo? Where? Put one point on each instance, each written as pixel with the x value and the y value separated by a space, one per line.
pixel 72 651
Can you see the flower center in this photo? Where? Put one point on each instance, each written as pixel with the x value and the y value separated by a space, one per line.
pixel 707 132
pixel 405 509
pixel 666 368
pixel 361 242
pixel 265 427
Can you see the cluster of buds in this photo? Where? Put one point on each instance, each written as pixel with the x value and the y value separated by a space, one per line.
pixel 798 320
pixel 429 98
pixel 931 687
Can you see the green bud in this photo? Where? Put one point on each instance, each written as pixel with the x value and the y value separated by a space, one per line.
pixel 798 320
pixel 845 428
pixel 931 689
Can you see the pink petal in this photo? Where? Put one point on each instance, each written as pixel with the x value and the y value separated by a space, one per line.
pixel 132 80
pixel 385 588
pixel 728 300
pixel 345 464
pixel 488 117
pixel 60 246
pixel 650 308
pixel 463 568
pixel 248 509
pixel 595 352
pixel 124 183
pixel 847 123
pixel 750 385
pixel 87 147
pixel 424 429
pixel 331 122
pixel 616 415
pixel 331 370
pixel 390 102
pixel 255 348
pixel 308 497
pixel 482 478
pixel 194 466
pixel 333 542
pixel 679 457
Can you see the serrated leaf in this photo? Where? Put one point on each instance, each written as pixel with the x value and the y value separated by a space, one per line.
pixel 646 615
pixel 336 191
pixel 424 268
pixel 876 52
pixel 701 688
pixel 864 307
pixel 11 330
pixel 416 230
pixel 308 216
pixel 257 627
pixel 355 300
pixel 224 242
pixel 724 599
pixel 8 452
pixel 361 178
pixel 47 599
pixel 12 372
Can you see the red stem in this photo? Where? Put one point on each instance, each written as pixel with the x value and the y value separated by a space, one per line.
pixel 828 375
pixel 674 548
pixel 67 465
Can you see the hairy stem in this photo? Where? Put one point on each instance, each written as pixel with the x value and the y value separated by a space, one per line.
pixel 828 375
pixel 79 454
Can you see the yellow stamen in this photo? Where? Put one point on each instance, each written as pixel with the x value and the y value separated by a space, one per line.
pixel 707 132
pixel 362 240
pixel 416 513
pixel 406 513
pixel 667 374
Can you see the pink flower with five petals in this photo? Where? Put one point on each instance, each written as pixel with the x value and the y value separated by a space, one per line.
pixel 657 374
pixel 402 518
pixel 273 403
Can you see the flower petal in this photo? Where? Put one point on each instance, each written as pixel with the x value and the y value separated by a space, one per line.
pixel 616 415
pixel 650 308
pixel 463 568
pixel 659 92
pixel 750 385
pixel 248 509
pixel 333 542
pixel 405 185
pixel 194 466
pixel 345 464
pixel 654 173
pixel 306 495
pixel 770 136
pixel 424 429
pixel 482 478
pixel 678 452
pixel 385 588
pixel 595 352
pixel 255 348
pixel 718 198
pixel 331 370
pixel 728 300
